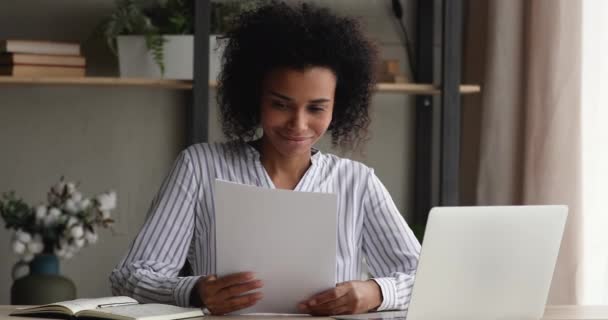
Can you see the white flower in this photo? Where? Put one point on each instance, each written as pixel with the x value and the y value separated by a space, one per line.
pixel 49 220
pixel 60 252
pixel 23 236
pixel 105 215
pixel 62 249
pixel 52 217
pixel 18 247
pixel 72 222
pixel 107 201
pixel 40 213
pixel 58 188
pixel 77 196
pixel 91 237
pixel 84 204
pixel 71 186
pixel 68 254
pixel 55 213
pixel 79 242
pixel 27 257
pixel 36 246
pixel 70 206
pixel 52 198
pixel 77 231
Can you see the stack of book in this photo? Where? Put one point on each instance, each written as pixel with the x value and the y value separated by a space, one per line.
pixel 390 72
pixel 27 58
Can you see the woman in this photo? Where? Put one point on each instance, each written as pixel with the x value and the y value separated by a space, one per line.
pixel 295 72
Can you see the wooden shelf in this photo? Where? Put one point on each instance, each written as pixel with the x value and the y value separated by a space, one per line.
pixel 412 88
pixel 99 81
pixel 423 89
pixel 409 88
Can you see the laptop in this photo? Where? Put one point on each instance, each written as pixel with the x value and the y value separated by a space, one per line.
pixel 484 263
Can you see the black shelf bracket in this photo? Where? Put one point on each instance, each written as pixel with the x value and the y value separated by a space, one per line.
pixel 438 131
pixel 198 109
pixel 450 104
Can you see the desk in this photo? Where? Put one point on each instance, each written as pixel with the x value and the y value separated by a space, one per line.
pixel 551 313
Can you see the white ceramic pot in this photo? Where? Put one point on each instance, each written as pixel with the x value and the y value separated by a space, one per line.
pixel 135 61
pixel 215 56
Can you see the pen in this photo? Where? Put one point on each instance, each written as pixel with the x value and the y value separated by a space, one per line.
pixel 105 305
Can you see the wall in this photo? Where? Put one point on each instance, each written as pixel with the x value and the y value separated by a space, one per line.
pixel 126 138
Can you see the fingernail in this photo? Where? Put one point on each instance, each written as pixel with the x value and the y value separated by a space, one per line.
pixel 312 302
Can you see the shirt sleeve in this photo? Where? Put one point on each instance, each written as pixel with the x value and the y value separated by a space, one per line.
pixel 390 247
pixel 149 270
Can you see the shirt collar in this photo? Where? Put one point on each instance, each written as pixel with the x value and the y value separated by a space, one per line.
pixel 253 153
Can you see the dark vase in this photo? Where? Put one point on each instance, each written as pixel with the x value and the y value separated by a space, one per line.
pixel 43 284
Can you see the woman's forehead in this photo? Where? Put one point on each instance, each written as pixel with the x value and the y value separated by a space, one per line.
pixel 301 83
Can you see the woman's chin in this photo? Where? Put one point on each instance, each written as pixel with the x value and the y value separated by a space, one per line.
pixel 295 147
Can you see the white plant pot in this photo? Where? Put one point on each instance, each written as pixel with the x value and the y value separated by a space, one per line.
pixel 216 50
pixel 136 61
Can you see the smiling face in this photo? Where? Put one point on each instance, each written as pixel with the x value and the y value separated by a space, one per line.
pixel 296 109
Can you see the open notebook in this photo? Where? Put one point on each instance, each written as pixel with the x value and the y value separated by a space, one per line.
pixel 116 308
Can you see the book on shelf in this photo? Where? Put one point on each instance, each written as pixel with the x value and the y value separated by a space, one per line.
pixel 41 71
pixel 40 47
pixel 41 59
pixel 389 71
pixel 113 308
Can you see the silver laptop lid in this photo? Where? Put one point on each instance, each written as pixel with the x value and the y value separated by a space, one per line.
pixel 487 263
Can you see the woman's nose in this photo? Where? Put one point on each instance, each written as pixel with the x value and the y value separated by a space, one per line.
pixel 297 121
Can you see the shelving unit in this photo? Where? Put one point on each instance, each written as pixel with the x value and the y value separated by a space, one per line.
pixel 437 156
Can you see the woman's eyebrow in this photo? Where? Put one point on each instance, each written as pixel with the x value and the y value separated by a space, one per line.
pixel 278 95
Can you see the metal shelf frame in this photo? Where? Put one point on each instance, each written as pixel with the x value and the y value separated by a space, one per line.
pixel 438 121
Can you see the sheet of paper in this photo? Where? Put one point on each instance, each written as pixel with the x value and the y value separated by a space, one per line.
pixel 287 238
pixel 384 315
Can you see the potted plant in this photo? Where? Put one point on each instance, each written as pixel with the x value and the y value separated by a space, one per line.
pixel 157 41
pixel 152 42
pixel 58 228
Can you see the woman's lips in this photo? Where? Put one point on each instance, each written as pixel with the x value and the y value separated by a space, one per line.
pixel 297 139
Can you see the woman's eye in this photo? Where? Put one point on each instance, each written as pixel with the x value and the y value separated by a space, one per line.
pixel 316 108
pixel 279 105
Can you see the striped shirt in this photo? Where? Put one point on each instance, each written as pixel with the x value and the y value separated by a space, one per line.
pixel 180 225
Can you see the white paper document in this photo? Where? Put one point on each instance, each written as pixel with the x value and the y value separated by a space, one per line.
pixel 287 238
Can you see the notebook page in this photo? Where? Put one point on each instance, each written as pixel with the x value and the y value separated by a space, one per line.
pixel 84 304
pixel 150 311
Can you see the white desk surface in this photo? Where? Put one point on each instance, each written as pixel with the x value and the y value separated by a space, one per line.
pixel 555 312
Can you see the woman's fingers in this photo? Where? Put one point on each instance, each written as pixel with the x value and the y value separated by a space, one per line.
pixel 326 296
pixel 228 294
pixel 349 297
pixel 237 303
pixel 212 284
pixel 342 310
pixel 330 307
pixel 239 289
pixel 232 279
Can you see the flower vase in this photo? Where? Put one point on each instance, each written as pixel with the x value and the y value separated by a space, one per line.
pixel 43 284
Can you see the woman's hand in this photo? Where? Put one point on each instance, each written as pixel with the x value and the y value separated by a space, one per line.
pixel 229 293
pixel 346 298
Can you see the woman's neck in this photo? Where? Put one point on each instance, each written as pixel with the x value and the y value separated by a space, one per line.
pixel 285 171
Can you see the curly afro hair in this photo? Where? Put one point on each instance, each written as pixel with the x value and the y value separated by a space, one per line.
pixel 299 36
